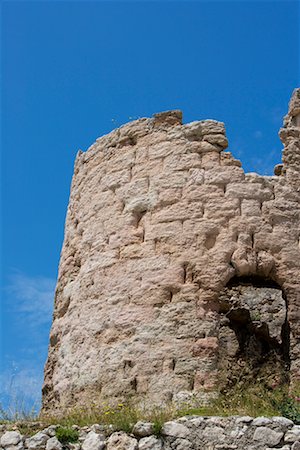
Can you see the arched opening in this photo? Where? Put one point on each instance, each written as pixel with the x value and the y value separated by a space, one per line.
pixel 253 333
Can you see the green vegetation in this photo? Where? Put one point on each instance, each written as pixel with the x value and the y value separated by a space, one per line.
pixel 254 399
pixel 290 408
pixel 66 435
pixel 119 418
pixel 158 417
pixel 255 316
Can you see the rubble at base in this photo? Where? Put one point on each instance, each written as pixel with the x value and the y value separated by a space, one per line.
pixel 186 433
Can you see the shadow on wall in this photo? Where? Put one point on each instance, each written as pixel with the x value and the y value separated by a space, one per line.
pixel 254 333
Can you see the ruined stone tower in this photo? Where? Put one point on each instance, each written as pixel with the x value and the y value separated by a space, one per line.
pixel 178 270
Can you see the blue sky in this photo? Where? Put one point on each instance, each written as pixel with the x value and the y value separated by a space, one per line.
pixel 71 72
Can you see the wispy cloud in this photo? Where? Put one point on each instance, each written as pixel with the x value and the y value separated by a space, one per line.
pixel 20 388
pixel 31 296
pixel 265 165
pixel 27 308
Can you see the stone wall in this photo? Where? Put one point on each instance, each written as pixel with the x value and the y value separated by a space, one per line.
pixel 170 250
pixel 187 433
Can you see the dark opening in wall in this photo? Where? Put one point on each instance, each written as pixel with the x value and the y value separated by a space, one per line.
pixel 253 333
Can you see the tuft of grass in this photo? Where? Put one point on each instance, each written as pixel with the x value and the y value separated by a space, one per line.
pixel 66 435
pixel 289 404
pixel 119 418
pixel 18 410
pixel 253 400
pixel 158 416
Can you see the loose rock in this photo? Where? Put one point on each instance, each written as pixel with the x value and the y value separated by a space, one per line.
pixel 53 444
pixel 150 443
pixel 10 438
pixel 267 436
pixel 142 429
pixel 37 441
pixel 94 441
pixel 121 441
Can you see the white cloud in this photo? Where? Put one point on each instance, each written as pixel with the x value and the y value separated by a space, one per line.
pixel 31 296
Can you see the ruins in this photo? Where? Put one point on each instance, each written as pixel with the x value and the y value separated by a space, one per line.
pixel 179 272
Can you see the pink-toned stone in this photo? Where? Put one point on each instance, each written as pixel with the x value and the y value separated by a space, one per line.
pixel 160 219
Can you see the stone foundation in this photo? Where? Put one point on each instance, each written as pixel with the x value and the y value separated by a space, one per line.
pixel 187 433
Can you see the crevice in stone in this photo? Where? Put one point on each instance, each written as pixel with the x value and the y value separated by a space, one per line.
pixel 184 274
pixel 254 333
pixel 112 189
pixel 253 280
pixel 138 215
pixel 63 308
pixel 133 384
pixel 127 141
pixel 122 205
pixel 143 235
pixel 159 304
pixel 128 363
pixel 192 383
pixel 173 364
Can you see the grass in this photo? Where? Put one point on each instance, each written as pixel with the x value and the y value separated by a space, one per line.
pixel 18 410
pixel 120 418
pixel 66 435
pixel 252 399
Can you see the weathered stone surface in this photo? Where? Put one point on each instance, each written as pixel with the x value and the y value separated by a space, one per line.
pixel 185 433
pixel 266 436
pixel 244 419
pixel 75 446
pixel 293 434
pixel 19 446
pixel 150 443
pixel 283 422
pixel 179 444
pixel 175 429
pixel 93 441
pixel 53 444
pixel 143 429
pixel 161 223
pixel 10 438
pixel 285 447
pixel 37 441
pixel 50 430
pixel 121 441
